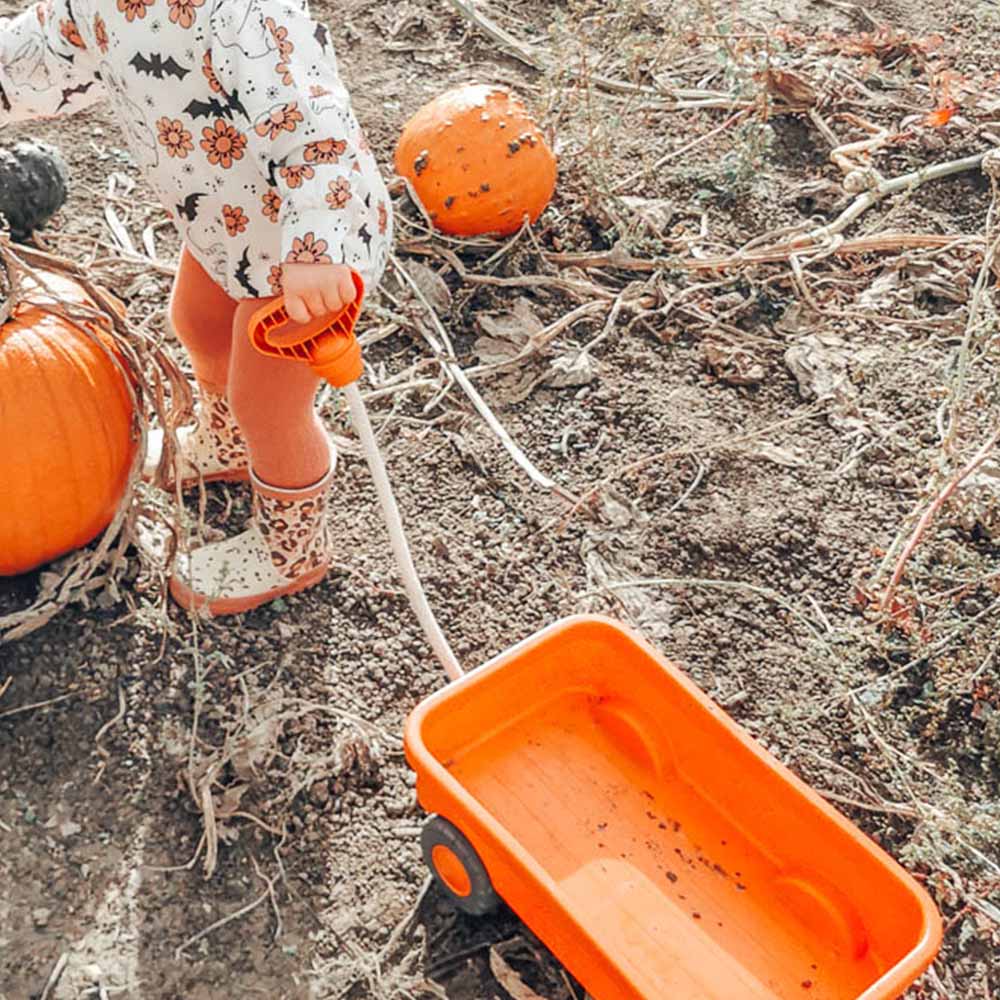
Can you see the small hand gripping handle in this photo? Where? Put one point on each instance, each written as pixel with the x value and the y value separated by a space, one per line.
pixel 327 345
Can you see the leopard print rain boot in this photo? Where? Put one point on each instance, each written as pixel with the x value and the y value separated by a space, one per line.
pixel 286 549
pixel 211 450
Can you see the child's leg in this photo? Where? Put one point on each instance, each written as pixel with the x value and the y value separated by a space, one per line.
pixel 274 403
pixel 286 546
pixel 202 317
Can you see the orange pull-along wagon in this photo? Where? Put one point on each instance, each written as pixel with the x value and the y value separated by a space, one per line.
pixel 658 850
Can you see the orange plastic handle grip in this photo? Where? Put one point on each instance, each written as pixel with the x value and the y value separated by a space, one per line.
pixel 327 345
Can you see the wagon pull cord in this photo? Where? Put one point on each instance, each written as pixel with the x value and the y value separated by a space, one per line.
pixel 331 349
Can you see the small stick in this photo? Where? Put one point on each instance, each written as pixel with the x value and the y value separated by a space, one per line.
pixel 55 976
pixel 674 153
pixel 453 369
pixel 107 726
pixel 526 55
pixel 37 704
pixel 242 912
pixel 929 515
pixel 709 584
pixel 887 808
pixel 768 255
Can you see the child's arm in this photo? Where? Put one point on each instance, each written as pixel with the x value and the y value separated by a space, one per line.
pixel 276 66
pixel 45 68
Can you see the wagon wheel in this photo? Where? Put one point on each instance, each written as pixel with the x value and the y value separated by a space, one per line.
pixel 457 867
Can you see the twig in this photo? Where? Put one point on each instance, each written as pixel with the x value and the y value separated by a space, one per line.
pixel 823 235
pixel 242 912
pixel 887 808
pixel 930 513
pixel 37 704
pixel 699 475
pixel 55 975
pixel 274 899
pixel 453 369
pixel 719 442
pixel 674 153
pixel 709 584
pixel 866 244
pixel 105 728
pixel 523 53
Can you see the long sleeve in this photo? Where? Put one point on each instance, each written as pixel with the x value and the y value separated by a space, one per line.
pixel 45 68
pixel 277 69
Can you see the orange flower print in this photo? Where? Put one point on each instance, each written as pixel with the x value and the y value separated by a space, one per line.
pixel 71 33
pixel 294 176
pixel 383 218
pixel 339 193
pixel 272 204
pixel 309 250
pixel 280 36
pixel 182 11
pixel 223 144
pixel 174 137
pixel 208 70
pixel 316 91
pixel 284 71
pixel 235 219
pixel 274 279
pixel 134 9
pixel 284 119
pixel 101 34
pixel 325 151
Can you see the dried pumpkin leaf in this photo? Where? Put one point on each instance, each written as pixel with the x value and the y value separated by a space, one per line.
pixel 432 286
pixel 571 370
pixel 505 975
pixel 506 334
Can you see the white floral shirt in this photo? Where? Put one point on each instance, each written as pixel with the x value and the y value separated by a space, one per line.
pixel 234 111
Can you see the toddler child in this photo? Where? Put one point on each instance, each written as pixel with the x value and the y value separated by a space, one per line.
pixel 235 113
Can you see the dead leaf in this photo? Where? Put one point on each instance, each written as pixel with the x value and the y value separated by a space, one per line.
pixel 786 457
pixel 654 214
pixel 508 978
pixel 819 362
pixel 791 88
pixel 506 334
pixel 258 744
pixel 229 802
pixel 431 285
pixel 732 365
pixel 568 371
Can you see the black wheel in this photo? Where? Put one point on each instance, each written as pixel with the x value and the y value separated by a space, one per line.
pixel 457 867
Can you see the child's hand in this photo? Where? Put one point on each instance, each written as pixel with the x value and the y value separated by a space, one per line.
pixel 313 291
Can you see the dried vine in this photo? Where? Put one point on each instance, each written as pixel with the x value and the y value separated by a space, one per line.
pixel 155 384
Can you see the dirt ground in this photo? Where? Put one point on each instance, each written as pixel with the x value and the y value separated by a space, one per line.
pixel 735 508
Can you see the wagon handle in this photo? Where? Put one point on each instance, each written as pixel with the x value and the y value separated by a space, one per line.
pixel 330 347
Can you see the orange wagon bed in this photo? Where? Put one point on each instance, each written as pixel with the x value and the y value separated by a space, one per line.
pixel 655 848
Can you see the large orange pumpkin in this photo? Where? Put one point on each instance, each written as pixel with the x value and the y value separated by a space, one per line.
pixel 65 436
pixel 478 161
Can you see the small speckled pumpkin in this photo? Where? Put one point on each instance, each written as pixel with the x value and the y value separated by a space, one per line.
pixel 478 161
pixel 66 441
